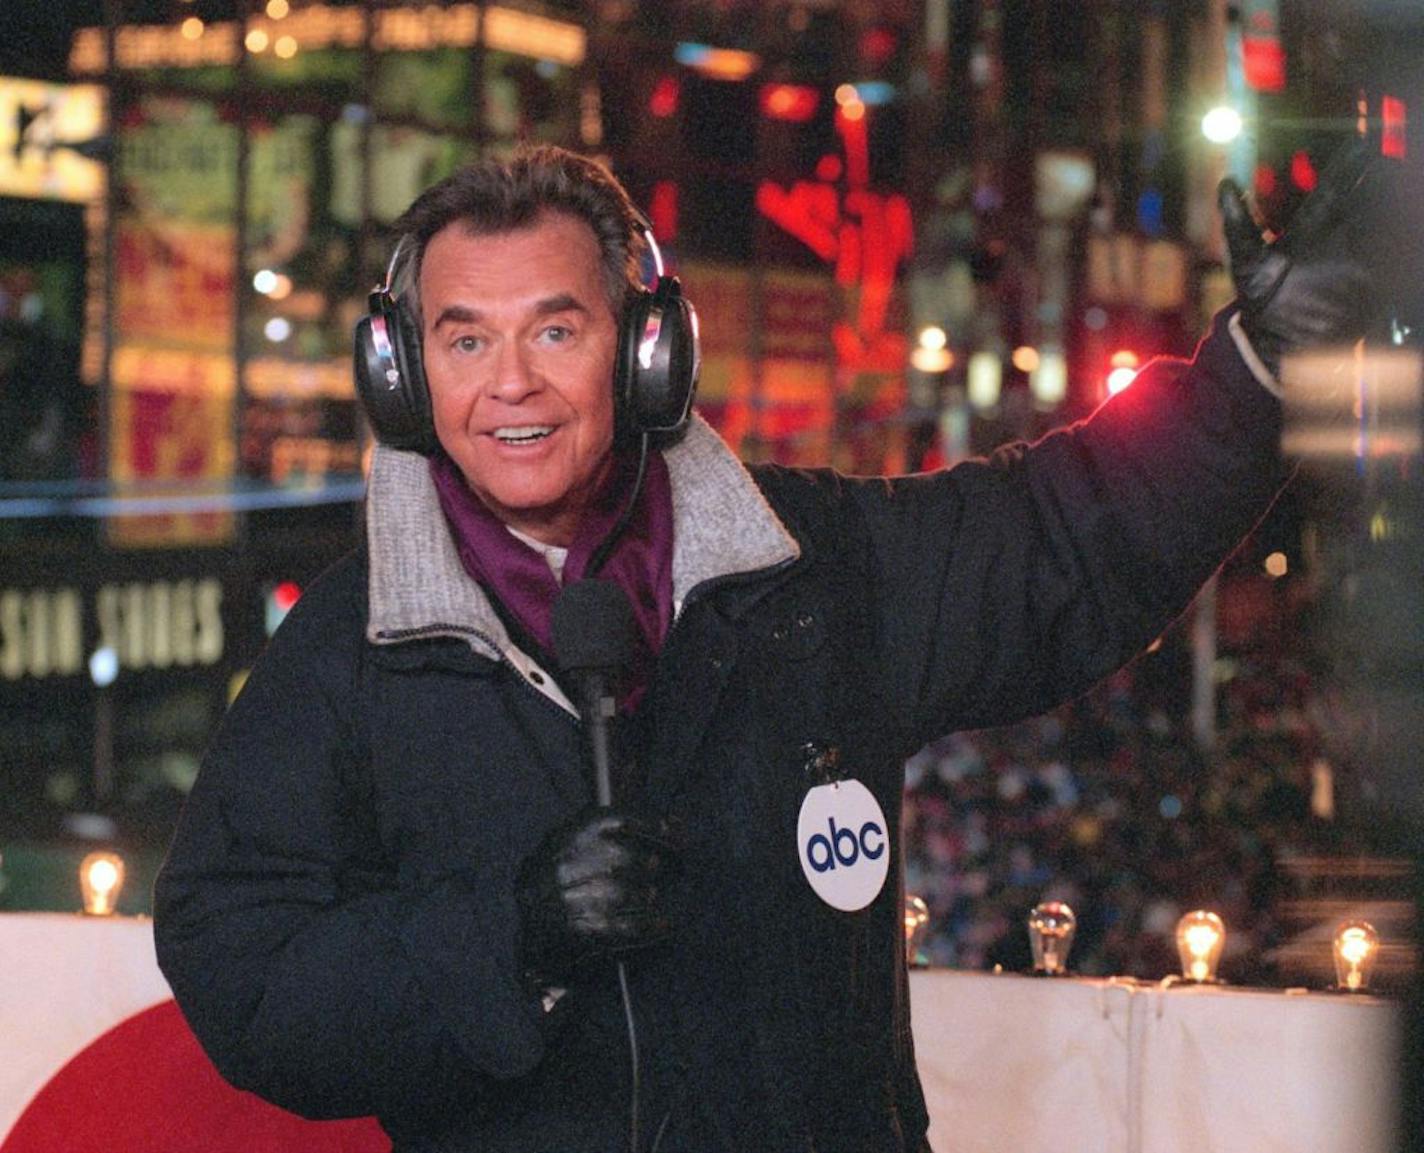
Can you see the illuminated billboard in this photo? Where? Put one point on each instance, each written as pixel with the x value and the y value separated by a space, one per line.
pixel 41 127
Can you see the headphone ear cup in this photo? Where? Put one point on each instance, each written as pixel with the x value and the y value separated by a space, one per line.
pixel 659 361
pixel 390 378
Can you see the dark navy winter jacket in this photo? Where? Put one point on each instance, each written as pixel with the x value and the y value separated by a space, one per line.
pixel 336 915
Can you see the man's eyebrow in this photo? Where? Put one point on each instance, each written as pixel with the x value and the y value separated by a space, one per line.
pixel 457 314
pixel 561 302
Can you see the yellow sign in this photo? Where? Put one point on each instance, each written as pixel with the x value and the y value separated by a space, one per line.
pixel 40 125
pixel 320 26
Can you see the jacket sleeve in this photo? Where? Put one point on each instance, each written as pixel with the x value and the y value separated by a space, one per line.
pixel 310 975
pixel 1005 586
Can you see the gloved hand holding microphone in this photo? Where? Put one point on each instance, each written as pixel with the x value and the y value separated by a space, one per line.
pixel 596 886
pixel 593 888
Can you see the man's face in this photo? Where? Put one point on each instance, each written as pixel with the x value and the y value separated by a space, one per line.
pixel 519 344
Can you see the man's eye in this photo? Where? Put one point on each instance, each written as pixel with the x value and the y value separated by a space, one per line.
pixel 467 343
pixel 557 333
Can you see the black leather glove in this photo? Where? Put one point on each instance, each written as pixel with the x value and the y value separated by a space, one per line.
pixel 1312 286
pixel 593 887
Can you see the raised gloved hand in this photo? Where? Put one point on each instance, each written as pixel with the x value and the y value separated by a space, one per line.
pixel 1312 286
pixel 593 887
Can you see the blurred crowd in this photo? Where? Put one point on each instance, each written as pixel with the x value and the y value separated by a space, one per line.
pixel 1111 805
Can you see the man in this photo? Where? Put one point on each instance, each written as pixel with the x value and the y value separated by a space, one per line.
pixel 390 891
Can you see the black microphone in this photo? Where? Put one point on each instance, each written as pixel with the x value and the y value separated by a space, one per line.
pixel 595 638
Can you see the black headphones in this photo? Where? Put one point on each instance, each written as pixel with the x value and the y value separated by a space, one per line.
pixel 654 376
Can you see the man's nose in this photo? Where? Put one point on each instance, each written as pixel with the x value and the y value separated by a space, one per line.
pixel 515 376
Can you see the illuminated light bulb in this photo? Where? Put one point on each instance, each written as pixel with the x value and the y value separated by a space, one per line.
pixel 1200 937
pixel 933 337
pixel 1051 926
pixel 917 918
pixel 285 47
pixel 256 41
pixel 192 28
pixel 101 876
pixel 1356 948
pixel 278 9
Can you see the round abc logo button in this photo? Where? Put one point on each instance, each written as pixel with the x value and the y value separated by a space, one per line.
pixel 843 845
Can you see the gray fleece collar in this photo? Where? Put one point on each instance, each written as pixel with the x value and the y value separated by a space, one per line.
pixel 722 525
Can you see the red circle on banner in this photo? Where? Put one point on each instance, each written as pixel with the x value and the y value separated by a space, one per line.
pixel 147 1086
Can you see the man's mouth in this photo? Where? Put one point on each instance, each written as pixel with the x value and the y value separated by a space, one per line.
pixel 523 434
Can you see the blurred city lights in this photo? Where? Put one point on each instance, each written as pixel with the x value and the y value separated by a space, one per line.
pixel 285 47
pixel 985 378
pixel 277 329
pixel 264 281
pixel 277 9
pixel 874 92
pixel 192 28
pixel 1024 358
pixel 1222 124
pixel 931 353
pixel 103 666
pixel 256 41
pixel 1302 171
pixel 664 100
pixel 1276 565
pixel 793 102
pixel 1048 381
pixel 931 360
pixel 716 63
pixel 1123 370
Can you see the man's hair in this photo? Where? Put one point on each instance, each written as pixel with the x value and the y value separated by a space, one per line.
pixel 497 195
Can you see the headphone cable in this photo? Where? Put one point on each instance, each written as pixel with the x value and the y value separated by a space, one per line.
pixel 605 548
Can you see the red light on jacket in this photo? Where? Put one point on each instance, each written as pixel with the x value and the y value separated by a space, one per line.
pixel 793 102
pixel 1392 126
pixel 285 595
pixel 279 601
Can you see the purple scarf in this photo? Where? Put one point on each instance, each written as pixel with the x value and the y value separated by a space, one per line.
pixel 519 577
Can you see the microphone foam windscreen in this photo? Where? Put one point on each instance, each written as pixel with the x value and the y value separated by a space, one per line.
pixel 593 626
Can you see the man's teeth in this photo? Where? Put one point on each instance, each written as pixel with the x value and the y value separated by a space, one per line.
pixel 524 434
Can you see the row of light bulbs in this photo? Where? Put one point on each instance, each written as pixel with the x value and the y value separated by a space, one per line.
pixel 1201 936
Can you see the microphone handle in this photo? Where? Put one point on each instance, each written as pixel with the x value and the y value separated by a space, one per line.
pixel 596 701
